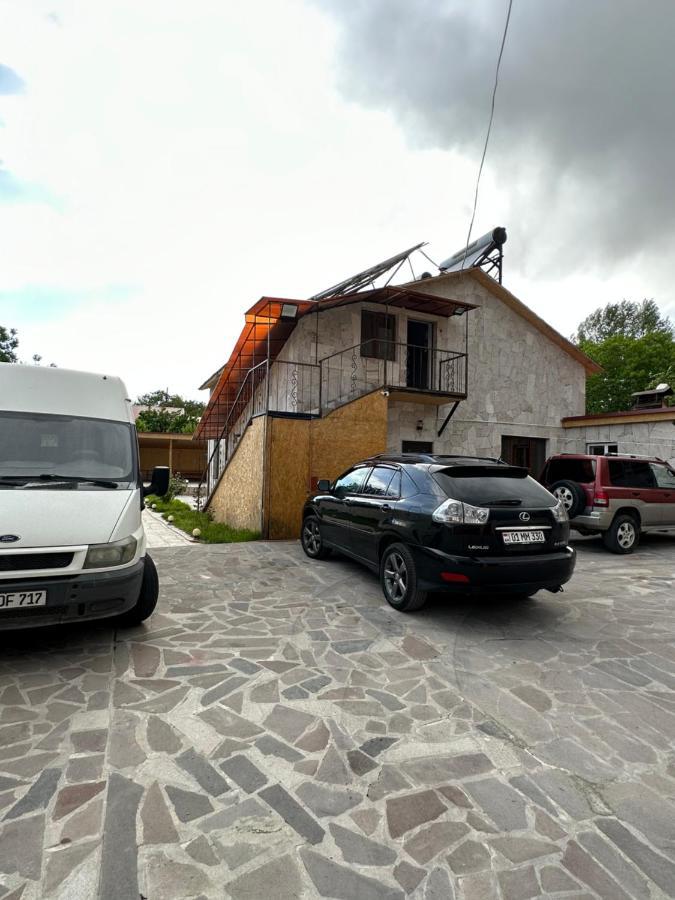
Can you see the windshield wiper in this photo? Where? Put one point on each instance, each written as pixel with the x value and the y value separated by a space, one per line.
pixel 78 479
pixel 52 478
pixel 504 503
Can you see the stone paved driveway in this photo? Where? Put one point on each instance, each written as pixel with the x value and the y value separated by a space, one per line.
pixel 278 732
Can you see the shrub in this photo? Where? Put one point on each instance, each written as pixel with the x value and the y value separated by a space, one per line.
pixel 186 518
pixel 176 486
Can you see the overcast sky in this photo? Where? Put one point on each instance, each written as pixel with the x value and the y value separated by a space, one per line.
pixel 164 164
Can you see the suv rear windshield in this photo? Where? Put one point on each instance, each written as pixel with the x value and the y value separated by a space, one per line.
pixel 488 489
pixel 580 470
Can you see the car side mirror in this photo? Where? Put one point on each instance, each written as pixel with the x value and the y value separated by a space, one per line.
pixel 323 485
pixel 159 484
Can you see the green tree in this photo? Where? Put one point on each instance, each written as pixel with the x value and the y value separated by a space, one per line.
pixel 168 413
pixel 635 346
pixel 629 318
pixel 8 344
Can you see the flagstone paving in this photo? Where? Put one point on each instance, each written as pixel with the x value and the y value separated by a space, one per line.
pixel 277 731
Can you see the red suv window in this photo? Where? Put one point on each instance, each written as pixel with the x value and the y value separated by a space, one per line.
pixel 665 477
pixel 631 473
pixel 571 469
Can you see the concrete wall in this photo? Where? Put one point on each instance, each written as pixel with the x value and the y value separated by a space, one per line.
pixel 237 499
pixel 642 438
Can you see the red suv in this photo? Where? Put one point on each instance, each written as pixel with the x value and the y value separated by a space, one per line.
pixel 615 496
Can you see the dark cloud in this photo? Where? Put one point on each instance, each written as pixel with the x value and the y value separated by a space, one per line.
pixel 10 82
pixel 584 132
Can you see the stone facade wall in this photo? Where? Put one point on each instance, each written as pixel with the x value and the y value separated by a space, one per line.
pixel 642 438
pixel 237 499
pixel 519 383
pixel 340 328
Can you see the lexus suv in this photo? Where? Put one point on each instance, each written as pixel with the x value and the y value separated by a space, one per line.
pixel 618 497
pixel 442 523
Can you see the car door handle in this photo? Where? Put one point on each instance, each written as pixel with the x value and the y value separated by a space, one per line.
pixel 635 493
pixel 385 507
pixel 348 501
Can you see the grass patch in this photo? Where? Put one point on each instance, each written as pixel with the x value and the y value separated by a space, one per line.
pixel 186 518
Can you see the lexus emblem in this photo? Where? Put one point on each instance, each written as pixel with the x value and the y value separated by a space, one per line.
pixel 9 538
pixel 524 517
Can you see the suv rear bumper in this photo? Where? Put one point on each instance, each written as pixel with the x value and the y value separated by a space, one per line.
pixel 597 520
pixel 496 574
pixel 75 599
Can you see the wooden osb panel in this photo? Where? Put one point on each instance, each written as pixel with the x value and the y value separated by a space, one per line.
pixel 288 476
pixel 347 435
pixel 238 497
pixel 302 451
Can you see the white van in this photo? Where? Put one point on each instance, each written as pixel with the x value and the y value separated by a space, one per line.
pixel 72 545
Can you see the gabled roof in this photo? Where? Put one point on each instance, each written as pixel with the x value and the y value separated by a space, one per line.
pixel 518 307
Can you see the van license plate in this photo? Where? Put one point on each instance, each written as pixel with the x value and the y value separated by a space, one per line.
pixel 524 537
pixel 23 599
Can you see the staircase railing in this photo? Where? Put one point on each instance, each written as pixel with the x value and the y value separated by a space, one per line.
pixel 284 386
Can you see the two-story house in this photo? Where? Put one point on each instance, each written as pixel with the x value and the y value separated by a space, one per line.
pixel 447 364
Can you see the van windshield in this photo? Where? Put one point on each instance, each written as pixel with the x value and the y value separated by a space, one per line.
pixel 84 452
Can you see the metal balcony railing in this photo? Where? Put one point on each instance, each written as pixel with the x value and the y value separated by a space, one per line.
pixel 376 364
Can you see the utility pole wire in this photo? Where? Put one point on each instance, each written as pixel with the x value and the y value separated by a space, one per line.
pixel 487 136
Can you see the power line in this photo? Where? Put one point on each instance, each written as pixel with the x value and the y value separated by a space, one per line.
pixel 489 129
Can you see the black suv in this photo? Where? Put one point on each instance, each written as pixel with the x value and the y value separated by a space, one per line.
pixel 452 523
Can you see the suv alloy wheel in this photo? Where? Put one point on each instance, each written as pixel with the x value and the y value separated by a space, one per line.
pixel 571 495
pixel 623 534
pixel 312 541
pixel 398 577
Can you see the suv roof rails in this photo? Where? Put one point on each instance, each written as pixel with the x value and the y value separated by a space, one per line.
pixel 636 456
pixel 432 457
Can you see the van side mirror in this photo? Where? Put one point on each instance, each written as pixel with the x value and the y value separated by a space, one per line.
pixel 159 483
pixel 323 485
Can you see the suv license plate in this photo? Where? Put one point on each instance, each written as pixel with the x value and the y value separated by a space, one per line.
pixel 524 537
pixel 23 599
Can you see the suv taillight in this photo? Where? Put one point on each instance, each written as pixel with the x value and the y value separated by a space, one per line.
pixel 600 499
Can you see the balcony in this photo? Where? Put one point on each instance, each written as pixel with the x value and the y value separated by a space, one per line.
pixel 420 374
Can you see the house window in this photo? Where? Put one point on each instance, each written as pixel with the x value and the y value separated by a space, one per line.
pixel 602 449
pixel 378 335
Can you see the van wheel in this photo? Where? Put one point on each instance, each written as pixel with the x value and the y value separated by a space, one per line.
pixel 571 495
pixel 147 599
pixel 312 540
pixel 398 577
pixel 623 535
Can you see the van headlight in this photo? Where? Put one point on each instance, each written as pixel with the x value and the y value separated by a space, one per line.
pixel 101 556
pixel 454 512
pixel 559 512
